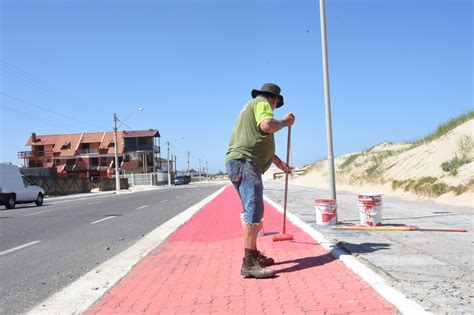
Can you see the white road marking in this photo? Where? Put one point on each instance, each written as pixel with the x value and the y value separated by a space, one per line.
pixel 93 203
pixel 178 196
pixel 35 213
pixel 18 248
pixel 143 207
pixel 111 217
pixel 162 201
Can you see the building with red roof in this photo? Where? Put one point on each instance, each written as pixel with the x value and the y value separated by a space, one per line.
pixel 91 154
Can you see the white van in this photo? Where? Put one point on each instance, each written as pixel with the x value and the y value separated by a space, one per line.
pixel 15 188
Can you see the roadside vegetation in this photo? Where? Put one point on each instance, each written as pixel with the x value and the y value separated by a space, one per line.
pixel 466 147
pixel 371 165
pixel 445 128
pixel 430 186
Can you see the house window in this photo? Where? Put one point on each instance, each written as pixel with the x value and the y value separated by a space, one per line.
pixel 94 162
pixel 66 146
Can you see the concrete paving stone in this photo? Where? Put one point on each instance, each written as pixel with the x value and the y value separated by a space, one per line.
pixel 206 261
pixel 406 260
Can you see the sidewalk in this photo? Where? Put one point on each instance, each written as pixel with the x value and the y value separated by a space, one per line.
pixel 196 270
pixel 433 269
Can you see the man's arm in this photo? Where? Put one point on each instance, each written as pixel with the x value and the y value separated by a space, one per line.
pixel 273 125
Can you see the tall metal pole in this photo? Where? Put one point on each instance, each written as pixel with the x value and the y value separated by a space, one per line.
pixel 175 165
pixel 117 178
pixel 188 162
pixel 169 175
pixel 207 171
pixel 332 177
pixel 200 170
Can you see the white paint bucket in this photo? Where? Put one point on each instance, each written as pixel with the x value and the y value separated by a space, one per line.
pixel 325 211
pixel 370 209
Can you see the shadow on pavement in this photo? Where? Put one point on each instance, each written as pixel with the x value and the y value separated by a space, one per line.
pixel 363 248
pixel 305 263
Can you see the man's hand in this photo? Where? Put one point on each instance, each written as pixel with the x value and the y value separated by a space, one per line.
pixel 284 167
pixel 281 165
pixel 289 119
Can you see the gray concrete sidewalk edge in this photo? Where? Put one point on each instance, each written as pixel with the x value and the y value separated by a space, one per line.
pixel 400 300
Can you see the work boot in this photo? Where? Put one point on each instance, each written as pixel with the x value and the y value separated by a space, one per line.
pixel 264 260
pixel 252 268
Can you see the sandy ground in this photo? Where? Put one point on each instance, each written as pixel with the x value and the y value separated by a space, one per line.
pixel 401 162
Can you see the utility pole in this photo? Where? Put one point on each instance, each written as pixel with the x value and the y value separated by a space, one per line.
pixel 169 175
pixel 207 171
pixel 172 163
pixel 188 162
pixel 332 179
pixel 175 167
pixel 199 169
pixel 117 178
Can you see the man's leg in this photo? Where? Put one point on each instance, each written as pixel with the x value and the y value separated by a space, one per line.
pixel 248 183
pixel 251 194
pixel 250 234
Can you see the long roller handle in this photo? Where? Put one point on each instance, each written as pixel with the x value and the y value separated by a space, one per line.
pixel 286 179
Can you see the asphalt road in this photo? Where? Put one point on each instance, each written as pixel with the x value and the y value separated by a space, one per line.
pixel 43 249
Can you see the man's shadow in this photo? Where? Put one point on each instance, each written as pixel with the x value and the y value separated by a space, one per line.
pixel 315 261
pixel 305 263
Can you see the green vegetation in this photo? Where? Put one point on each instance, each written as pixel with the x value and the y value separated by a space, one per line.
pixel 349 161
pixel 429 186
pixel 453 165
pixel 466 145
pixel 445 128
pixel 374 172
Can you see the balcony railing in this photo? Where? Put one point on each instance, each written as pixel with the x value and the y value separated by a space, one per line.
pixel 144 147
pixel 28 154
pixel 25 154
pixel 87 152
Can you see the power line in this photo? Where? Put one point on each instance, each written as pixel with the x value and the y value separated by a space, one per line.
pixel 39 84
pixel 48 110
pixel 34 117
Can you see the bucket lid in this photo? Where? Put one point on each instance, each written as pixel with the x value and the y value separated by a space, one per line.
pixel 331 201
pixel 370 194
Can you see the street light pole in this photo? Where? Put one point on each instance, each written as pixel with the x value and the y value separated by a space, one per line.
pixel 200 170
pixel 117 178
pixel 188 162
pixel 169 175
pixel 332 180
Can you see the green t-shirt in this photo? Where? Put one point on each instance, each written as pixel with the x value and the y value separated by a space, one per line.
pixel 248 141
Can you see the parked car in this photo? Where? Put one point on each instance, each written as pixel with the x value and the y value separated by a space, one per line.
pixel 182 180
pixel 16 189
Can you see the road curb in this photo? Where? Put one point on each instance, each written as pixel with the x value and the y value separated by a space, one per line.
pixel 392 295
pixel 77 297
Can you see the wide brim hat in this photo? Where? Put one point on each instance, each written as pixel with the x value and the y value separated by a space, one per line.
pixel 272 89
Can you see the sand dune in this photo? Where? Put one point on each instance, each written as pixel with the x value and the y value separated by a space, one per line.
pixel 441 169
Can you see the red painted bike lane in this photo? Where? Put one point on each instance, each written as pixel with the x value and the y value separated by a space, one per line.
pixel 197 270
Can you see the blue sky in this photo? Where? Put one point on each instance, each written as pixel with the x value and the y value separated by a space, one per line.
pixel 398 69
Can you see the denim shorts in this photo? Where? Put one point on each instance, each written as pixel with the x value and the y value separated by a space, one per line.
pixel 247 179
